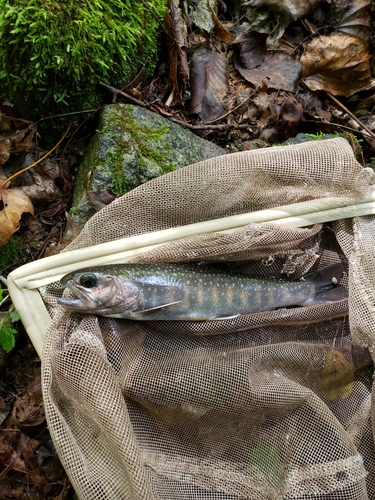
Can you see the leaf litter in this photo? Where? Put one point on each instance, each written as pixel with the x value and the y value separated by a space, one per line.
pixel 292 47
pixel 243 74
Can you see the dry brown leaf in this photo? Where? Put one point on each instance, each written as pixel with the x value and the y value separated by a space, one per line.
pixel 339 64
pixel 4 150
pixel 209 83
pixel 220 30
pixel 14 203
pixel 278 71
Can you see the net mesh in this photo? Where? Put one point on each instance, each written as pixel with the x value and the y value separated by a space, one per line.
pixel 272 405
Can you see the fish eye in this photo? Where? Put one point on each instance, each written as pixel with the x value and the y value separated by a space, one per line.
pixel 88 280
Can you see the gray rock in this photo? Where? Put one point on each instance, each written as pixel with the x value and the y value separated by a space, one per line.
pixel 131 146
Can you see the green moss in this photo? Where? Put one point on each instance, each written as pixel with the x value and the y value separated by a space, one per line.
pixel 10 252
pixel 54 53
pixel 129 137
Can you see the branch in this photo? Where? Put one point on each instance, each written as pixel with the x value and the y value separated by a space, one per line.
pixel 137 102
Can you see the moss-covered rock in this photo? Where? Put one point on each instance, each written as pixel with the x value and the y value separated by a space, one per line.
pixel 133 145
pixel 54 53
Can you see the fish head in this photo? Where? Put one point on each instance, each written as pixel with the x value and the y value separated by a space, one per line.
pixel 96 292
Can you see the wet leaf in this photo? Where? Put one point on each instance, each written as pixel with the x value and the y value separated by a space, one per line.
pixel 339 64
pixel 337 376
pixel 353 18
pixel 273 16
pixel 291 117
pixel 100 198
pixel 200 13
pixel 253 49
pixel 209 83
pixel 278 71
pixel 14 203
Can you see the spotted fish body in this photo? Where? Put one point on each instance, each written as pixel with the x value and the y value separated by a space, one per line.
pixel 190 292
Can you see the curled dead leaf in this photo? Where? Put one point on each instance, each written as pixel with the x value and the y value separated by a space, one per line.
pixel 278 71
pixel 4 150
pixel 209 83
pixel 273 17
pixel 291 117
pixel 252 49
pixel 220 30
pixel 353 18
pixel 339 64
pixel 200 13
pixel 14 203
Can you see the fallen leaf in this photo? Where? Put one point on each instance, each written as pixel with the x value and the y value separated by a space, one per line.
pixel 354 20
pixel 273 16
pixel 24 141
pixel 339 64
pixel 100 198
pixel 4 411
pixel 14 203
pixel 4 150
pixel 267 111
pixel 291 117
pixel 200 13
pixel 209 83
pixel 221 31
pixel 337 376
pixel 278 71
pixel 253 49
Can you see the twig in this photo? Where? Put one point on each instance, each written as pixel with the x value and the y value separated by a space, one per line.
pixel 234 109
pixel 38 161
pixel 224 126
pixel 9 466
pixel 361 124
pixel 21 131
pixel 4 299
pixel 76 130
pixel 134 100
pixel 339 125
pixel 68 114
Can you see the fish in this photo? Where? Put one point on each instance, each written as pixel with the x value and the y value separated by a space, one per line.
pixel 189 292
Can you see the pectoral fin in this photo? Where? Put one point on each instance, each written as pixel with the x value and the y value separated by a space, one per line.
pixel 227 317
pixel 162 306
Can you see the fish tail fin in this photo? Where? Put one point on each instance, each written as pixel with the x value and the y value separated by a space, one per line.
pixel 327 284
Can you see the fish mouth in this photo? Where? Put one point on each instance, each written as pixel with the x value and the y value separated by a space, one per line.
pixel 83 300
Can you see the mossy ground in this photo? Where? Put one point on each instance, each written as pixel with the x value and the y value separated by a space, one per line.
pixel 54 53
pixel 10 253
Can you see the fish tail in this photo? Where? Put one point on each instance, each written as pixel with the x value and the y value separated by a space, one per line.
pixel 327 284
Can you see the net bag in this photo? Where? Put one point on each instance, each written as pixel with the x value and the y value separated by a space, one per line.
pixel 271 405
